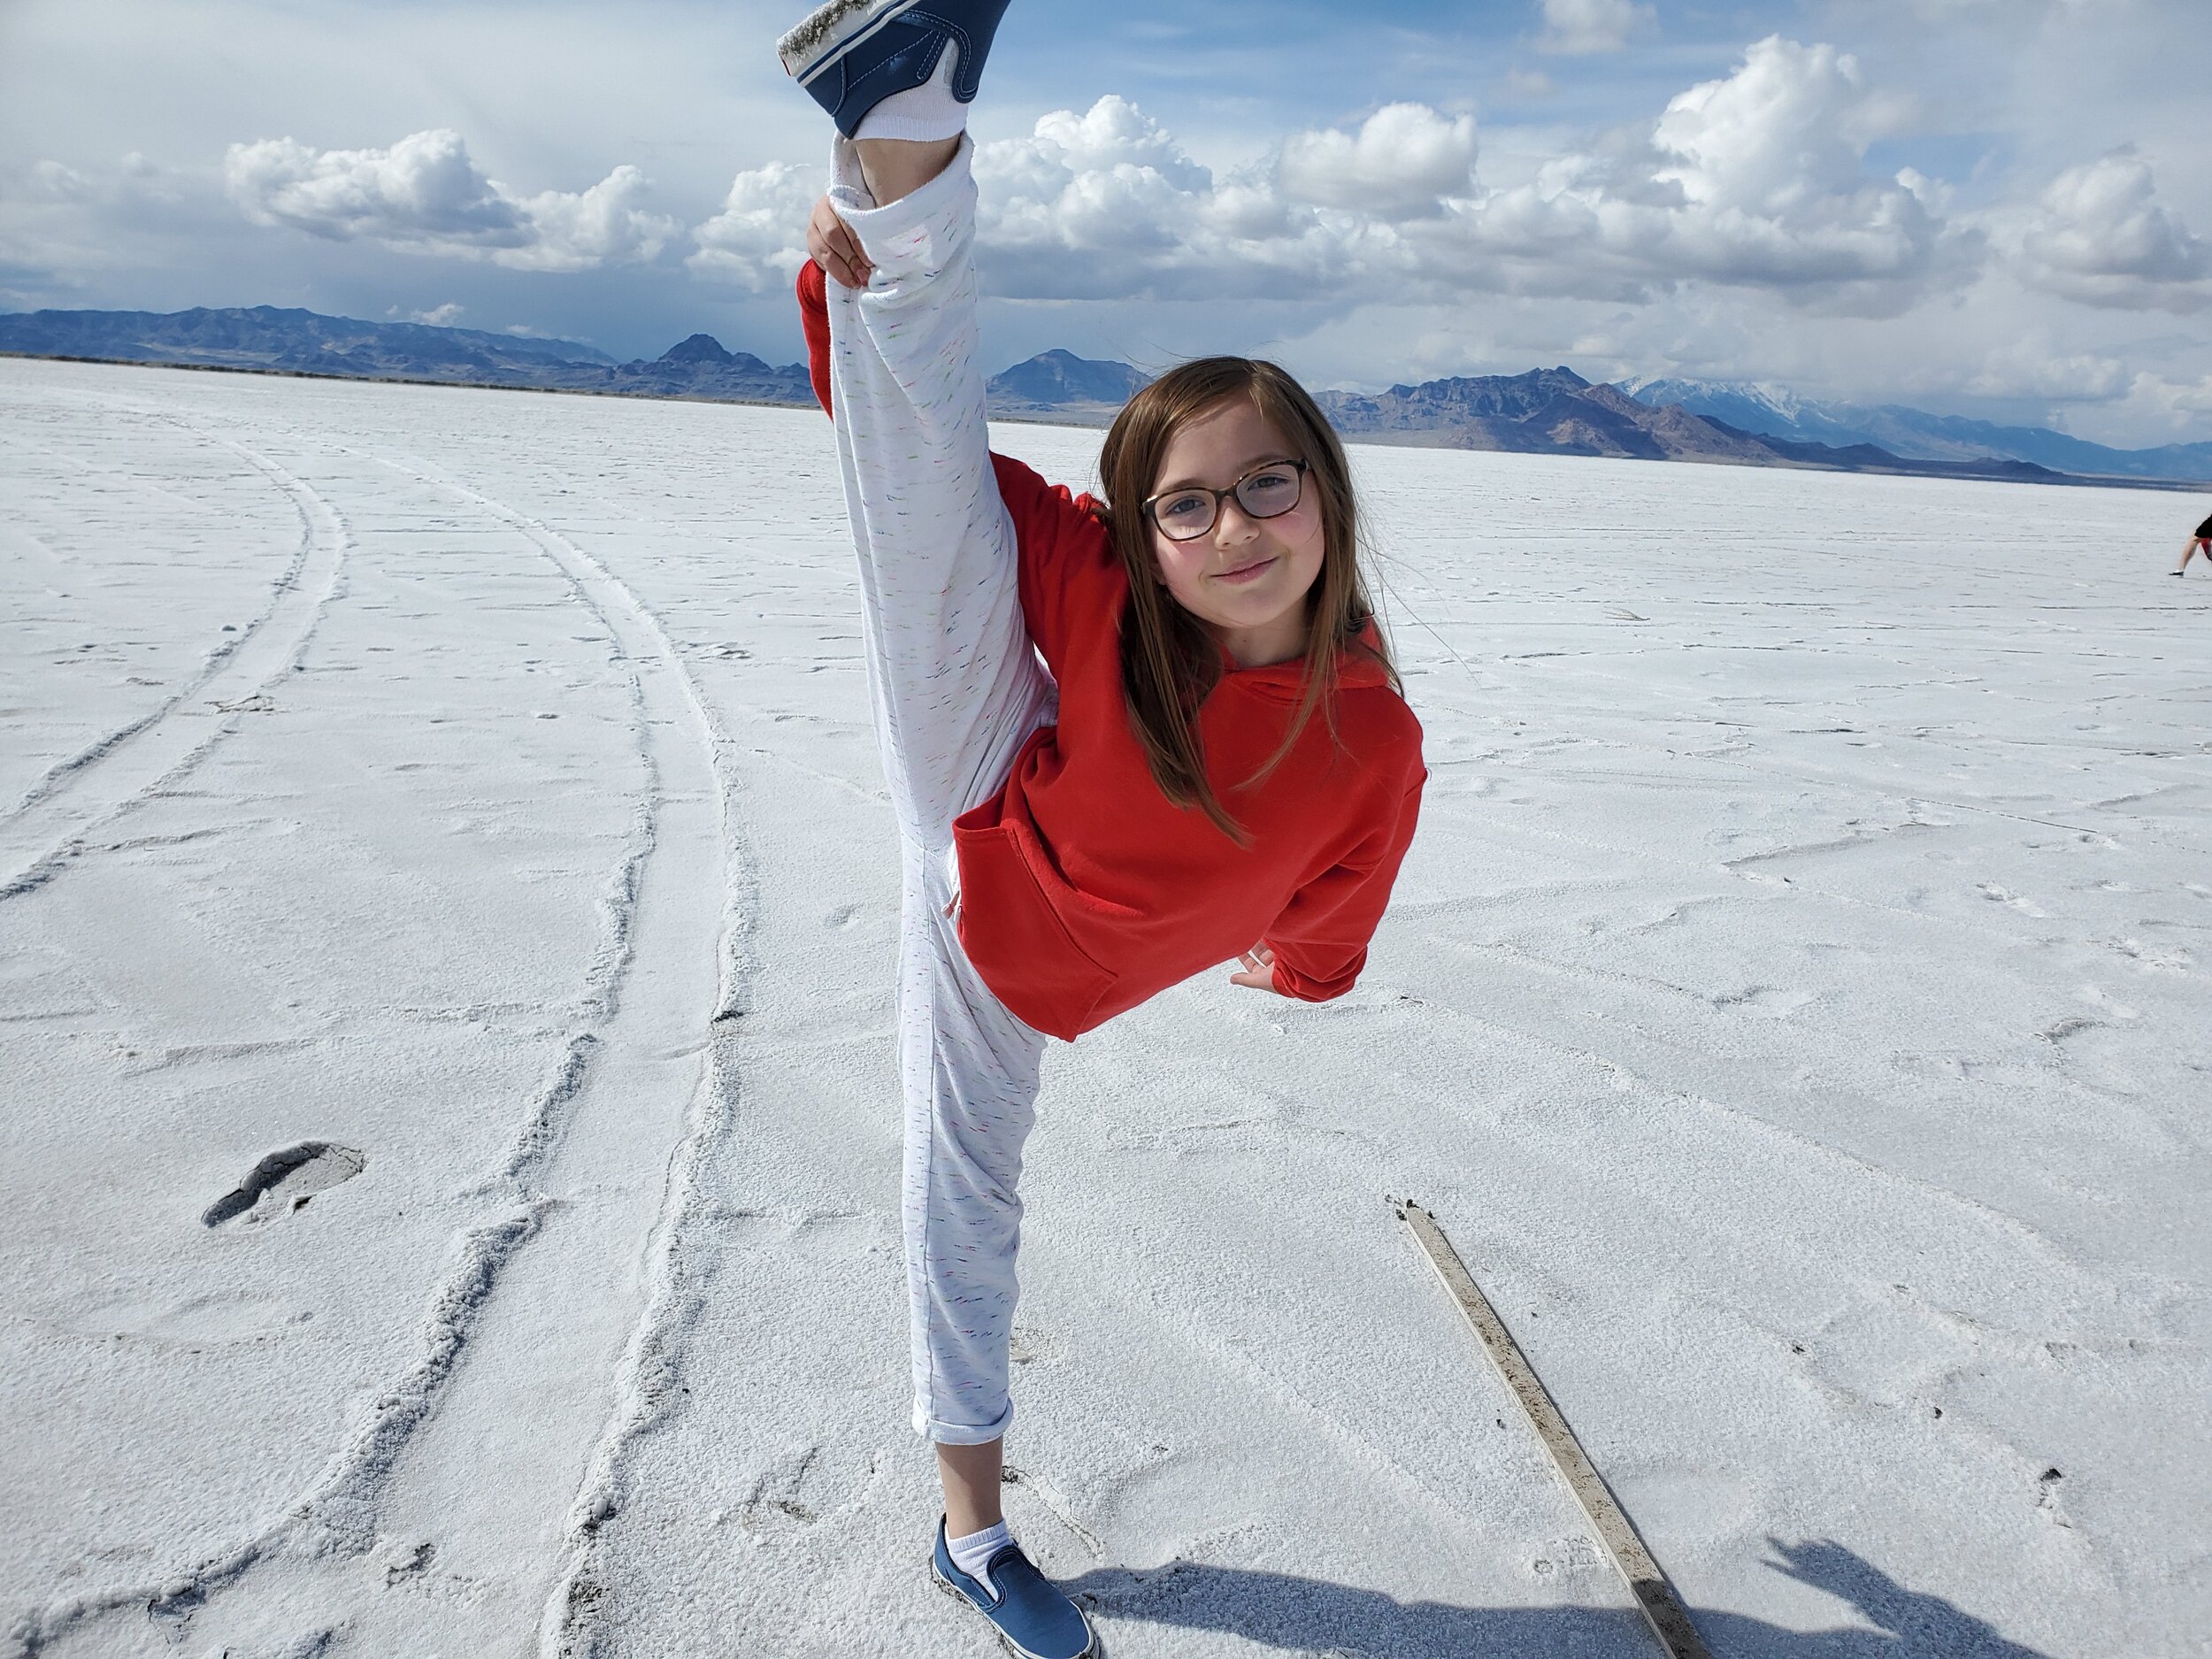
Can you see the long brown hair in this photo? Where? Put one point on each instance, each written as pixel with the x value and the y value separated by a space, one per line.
pixel 1170 663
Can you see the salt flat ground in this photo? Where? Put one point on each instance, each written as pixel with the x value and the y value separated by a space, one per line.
pixel 1795 1008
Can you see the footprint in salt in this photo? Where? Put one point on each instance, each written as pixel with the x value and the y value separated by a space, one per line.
pixel 1769 1001
pixel 767 1514
pixel 2152 958
pixel 800 1487
pixel 1567 1556
pixel 1996 895
pixel 221 1318
pixel 2046 1497
pixel 1029 1345
pixel 283 1182
pixel 2118 1009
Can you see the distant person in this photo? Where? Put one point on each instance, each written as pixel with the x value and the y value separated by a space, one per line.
pixel 1213 762
pixel 2200 541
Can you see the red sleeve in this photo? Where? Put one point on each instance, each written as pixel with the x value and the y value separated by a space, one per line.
pixel 1070 578
pixel 1064 557
pixel 1320 939
pixel 814 318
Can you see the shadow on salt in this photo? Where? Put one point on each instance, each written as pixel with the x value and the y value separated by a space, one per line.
pixel 1309 1616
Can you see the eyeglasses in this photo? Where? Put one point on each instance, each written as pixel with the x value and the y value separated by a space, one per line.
pixel 1267 491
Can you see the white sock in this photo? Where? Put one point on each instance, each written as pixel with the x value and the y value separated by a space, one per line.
pixel 973 1553
pixel 926 111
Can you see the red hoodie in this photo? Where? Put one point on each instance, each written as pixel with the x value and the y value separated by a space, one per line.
pixel 1083 891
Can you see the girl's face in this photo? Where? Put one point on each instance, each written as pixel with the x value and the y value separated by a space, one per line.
pixel 1246 578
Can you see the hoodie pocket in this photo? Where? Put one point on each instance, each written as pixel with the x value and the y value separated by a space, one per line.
pixel 1016 939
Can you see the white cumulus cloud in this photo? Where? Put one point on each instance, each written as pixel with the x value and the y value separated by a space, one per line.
pixel 1590 25
pixel 1790 124
pixel 1757 179
pixel 1107 205
pixel 758 240
pixel 1403 161
pixel 425 195
pixel 2100 235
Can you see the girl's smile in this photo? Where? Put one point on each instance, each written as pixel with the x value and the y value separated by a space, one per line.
pixel 1247 573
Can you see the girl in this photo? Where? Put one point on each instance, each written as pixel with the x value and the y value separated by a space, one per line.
pixel 1212 760
pixel 2200 541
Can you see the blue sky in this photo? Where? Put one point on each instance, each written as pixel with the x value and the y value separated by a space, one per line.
pixel 1998 207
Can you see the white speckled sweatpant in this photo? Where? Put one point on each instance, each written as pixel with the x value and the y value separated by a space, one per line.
pixel 957 689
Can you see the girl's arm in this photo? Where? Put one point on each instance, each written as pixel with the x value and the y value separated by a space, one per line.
pixel 1319 943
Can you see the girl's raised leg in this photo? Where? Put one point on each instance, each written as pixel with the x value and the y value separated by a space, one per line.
pixel 957 689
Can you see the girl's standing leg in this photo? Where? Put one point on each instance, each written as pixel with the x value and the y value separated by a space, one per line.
pixel 957 689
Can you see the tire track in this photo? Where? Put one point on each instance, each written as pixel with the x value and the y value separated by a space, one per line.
pixel 643 1387
pixel 644 1383
pixel 473 1454
pixel 602 1180
pixel 59 773
pixel 54 821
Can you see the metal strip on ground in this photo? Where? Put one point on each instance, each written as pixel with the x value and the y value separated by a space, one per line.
pixel 1662 1607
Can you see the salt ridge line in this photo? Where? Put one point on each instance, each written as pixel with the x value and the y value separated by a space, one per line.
pixel 1325 1416
pixel 1788 884
pixel 2101 1100
pixel 102 782
pixel 325 1536
pixel 1328 1423
pixel 2010 1226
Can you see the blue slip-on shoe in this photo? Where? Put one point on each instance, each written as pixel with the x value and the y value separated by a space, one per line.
pixel 851 54
pixel 1032 1617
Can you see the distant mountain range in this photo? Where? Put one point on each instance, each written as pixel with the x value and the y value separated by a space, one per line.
pixel 1550 411
pixel 1555 411
pixel 304 342
pixel 266 337
pixel 1916 435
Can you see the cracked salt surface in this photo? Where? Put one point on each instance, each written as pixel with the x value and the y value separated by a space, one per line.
pixel 1794 1007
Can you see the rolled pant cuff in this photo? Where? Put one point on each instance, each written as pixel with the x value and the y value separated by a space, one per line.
pixel 959 1433
pixel 947 198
